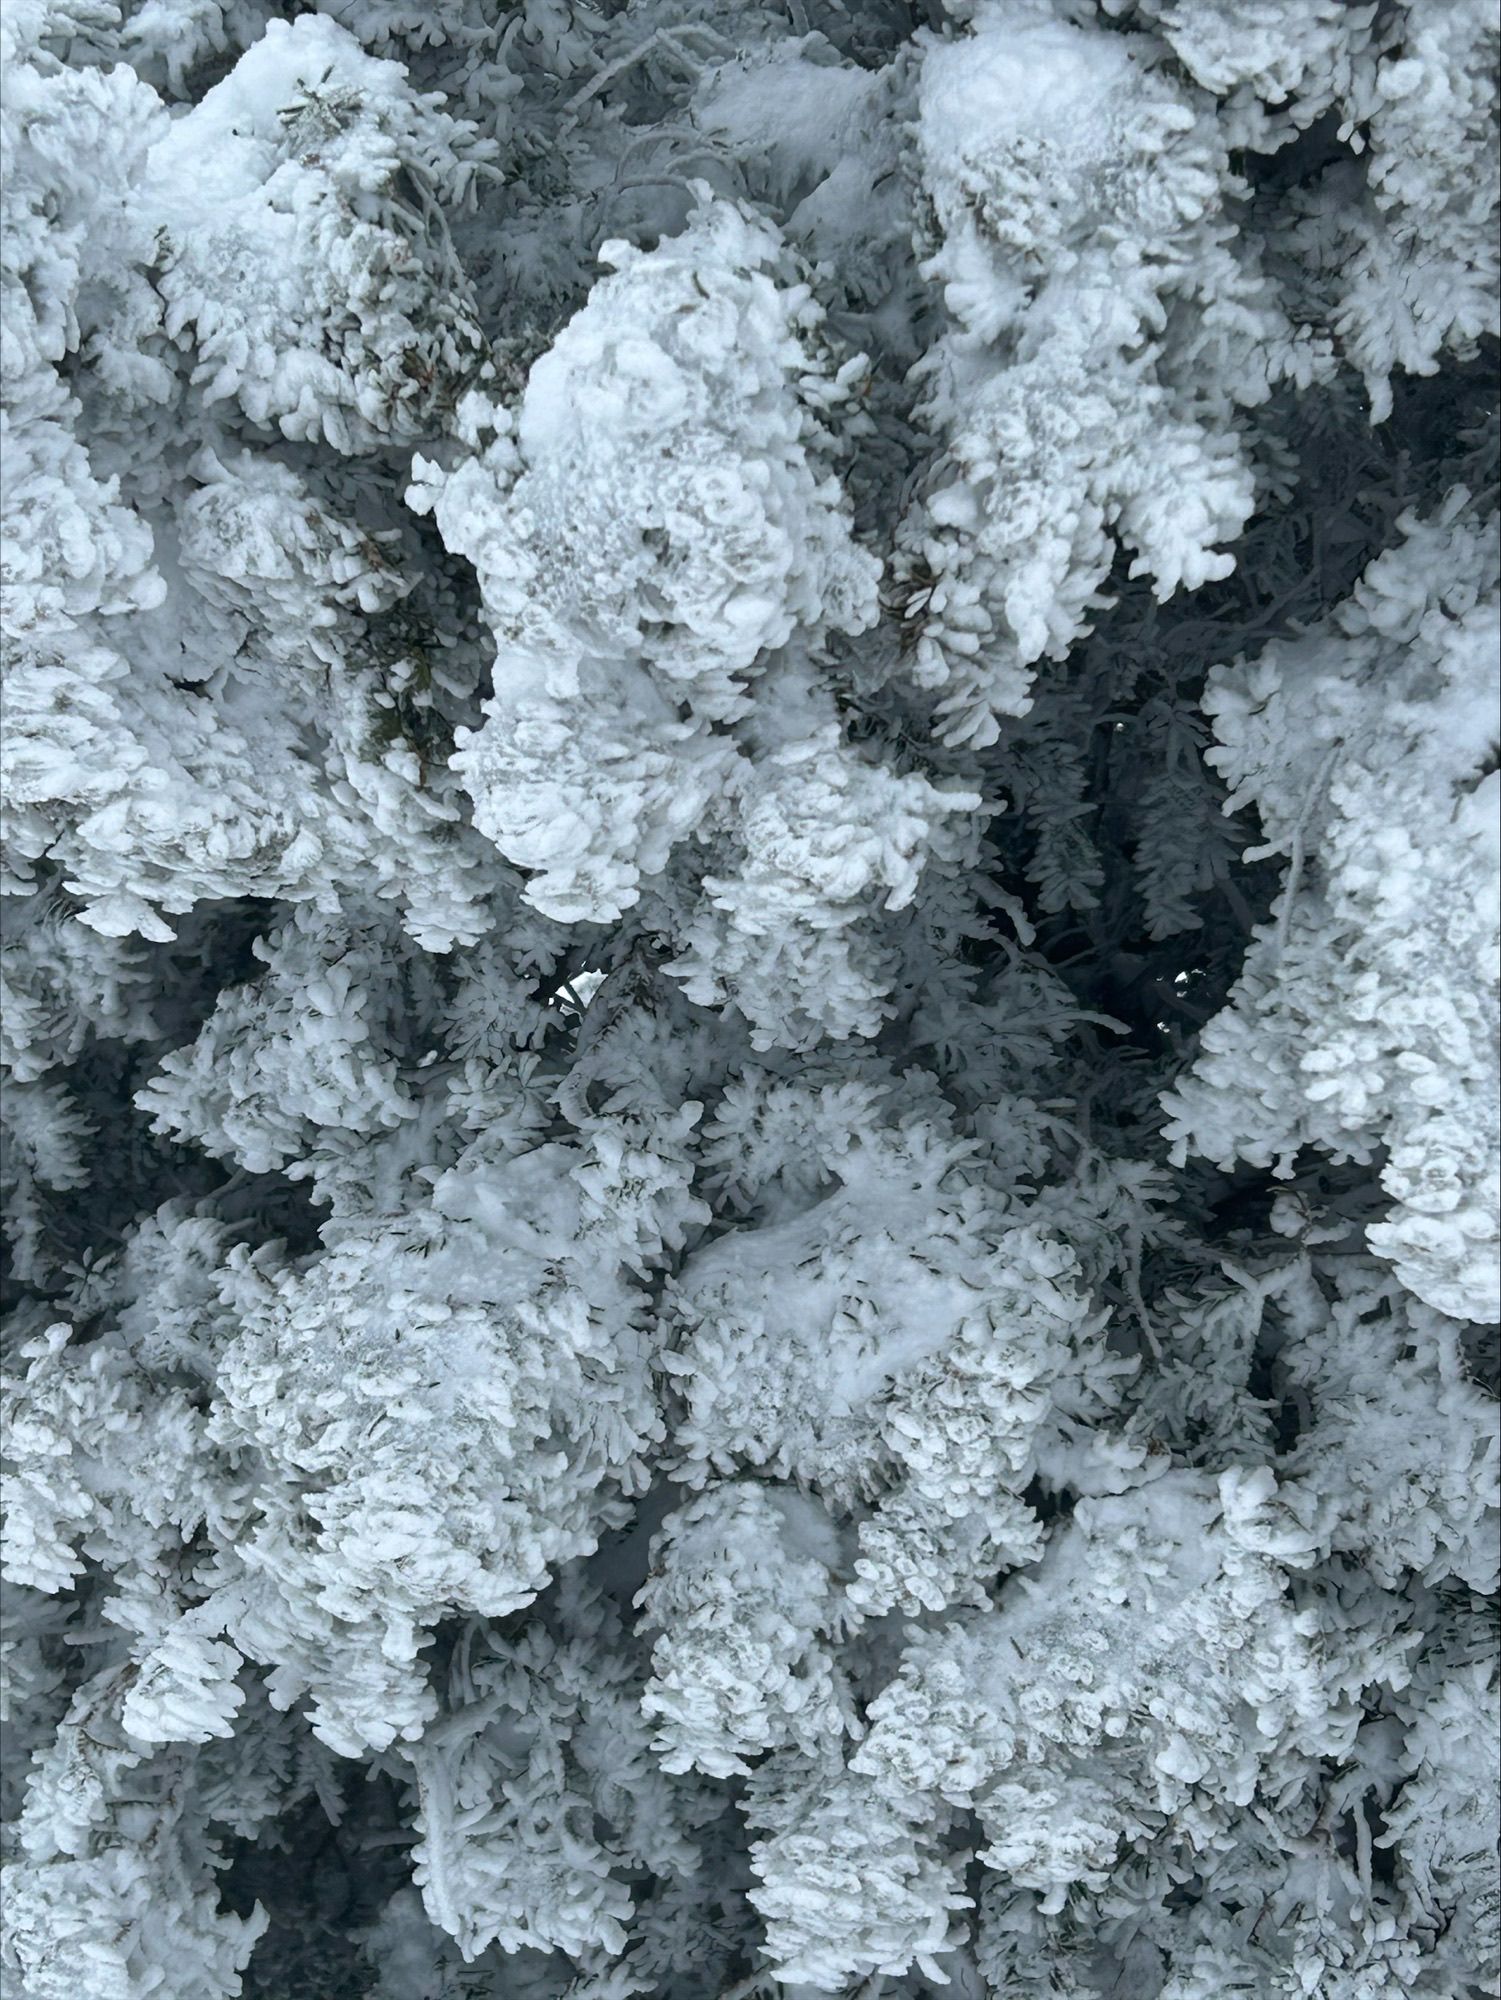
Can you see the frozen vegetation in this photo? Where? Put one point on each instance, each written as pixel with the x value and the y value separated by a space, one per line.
pixel 750 999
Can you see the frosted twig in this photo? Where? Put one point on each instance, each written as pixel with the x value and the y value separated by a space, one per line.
pixel 664 38
pixel 1295 848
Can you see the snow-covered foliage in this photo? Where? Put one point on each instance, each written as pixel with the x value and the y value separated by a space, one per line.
pixel 1406 241
pixel 303 255
pixel 889 1335
pixel 750 1000
pixel 1366 1015
pixel 742 1594
pixel 1107 323
pixel 660 538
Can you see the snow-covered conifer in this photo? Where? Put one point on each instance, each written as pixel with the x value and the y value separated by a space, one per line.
pixel 749 975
